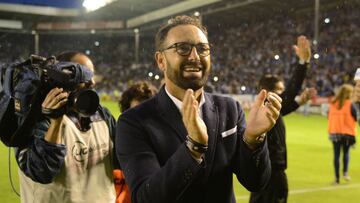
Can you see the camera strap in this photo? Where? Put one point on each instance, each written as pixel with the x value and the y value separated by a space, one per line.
pixel 84 123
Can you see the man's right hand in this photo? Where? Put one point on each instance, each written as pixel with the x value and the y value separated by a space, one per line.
pixel 194 125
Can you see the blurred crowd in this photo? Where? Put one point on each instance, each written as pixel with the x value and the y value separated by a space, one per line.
pixel 240 54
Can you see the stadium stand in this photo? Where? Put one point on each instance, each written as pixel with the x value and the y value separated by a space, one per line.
pixel 250 49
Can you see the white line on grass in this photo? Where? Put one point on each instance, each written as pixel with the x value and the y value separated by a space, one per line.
pixel 307 190
pixel 334 187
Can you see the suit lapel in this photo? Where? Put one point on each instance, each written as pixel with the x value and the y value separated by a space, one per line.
pixel 211 119
pixel 170 113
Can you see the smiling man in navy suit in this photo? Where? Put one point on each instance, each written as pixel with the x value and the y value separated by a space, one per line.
pixel 184 145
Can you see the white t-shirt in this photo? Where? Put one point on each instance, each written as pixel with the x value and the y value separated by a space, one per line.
pixel 86 176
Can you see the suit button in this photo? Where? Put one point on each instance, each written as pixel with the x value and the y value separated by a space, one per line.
pixel 257 161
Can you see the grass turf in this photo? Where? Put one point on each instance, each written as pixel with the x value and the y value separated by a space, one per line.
pixel 310 169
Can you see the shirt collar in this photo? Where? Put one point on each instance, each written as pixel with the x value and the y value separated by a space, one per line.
pixel 179 103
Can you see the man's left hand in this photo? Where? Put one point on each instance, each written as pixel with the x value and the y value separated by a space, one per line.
pixel 262 116
pixel 306 95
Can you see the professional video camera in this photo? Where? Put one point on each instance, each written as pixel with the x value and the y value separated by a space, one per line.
pixel 24 86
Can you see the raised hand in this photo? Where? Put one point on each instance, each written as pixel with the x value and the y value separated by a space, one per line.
pixel 302 48
pixel 262 116
pixel 306 95
pixel 194 125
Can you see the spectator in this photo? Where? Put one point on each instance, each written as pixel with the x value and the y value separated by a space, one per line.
pixel 342 128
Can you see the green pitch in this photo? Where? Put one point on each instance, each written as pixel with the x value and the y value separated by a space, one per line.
pixel 310 169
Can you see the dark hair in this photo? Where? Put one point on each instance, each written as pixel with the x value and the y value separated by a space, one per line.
pixel 139 91
pixel 173 22
pixel 67 55
pixel 268 82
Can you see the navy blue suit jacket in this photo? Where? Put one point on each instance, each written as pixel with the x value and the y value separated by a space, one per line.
pixel 159 168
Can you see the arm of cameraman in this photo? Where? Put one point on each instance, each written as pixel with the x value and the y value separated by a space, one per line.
pixel 43 158
pixel 53 133
pixel 40 160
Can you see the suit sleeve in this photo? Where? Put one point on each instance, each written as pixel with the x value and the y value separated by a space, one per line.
pixel 111 123
pixel 292 89
pixel 252 168
pixel 150 182
pixel 40 160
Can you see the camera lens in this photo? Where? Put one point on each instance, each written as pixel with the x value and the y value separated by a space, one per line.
pixel 86 102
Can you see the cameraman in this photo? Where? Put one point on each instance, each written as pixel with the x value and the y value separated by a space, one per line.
pixel 70 158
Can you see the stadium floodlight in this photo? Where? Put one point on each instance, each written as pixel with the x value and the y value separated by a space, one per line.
pixel 276 57
pixel 150 74
pixel 92 5
pixel 316 56
pixel 243 88
pixel 157 77
pixel 216 78
pixel 196 13
pixel 327 20
pixel 87 52
pixel 97 43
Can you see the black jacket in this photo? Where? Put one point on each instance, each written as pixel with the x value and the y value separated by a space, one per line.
pixel 277 135
pixel 160 169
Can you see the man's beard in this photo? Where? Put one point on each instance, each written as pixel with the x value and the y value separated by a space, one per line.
pixel 194 83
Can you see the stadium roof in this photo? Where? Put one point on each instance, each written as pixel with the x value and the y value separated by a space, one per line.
pixel 137 13
pixel 133 12
pixel 117 9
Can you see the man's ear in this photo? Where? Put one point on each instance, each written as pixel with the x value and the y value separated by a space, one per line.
pixel 160 60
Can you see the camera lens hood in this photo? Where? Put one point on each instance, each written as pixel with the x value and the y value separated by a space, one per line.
pixel 86 102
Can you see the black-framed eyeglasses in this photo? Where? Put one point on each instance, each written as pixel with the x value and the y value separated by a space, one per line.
pixel 184 48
